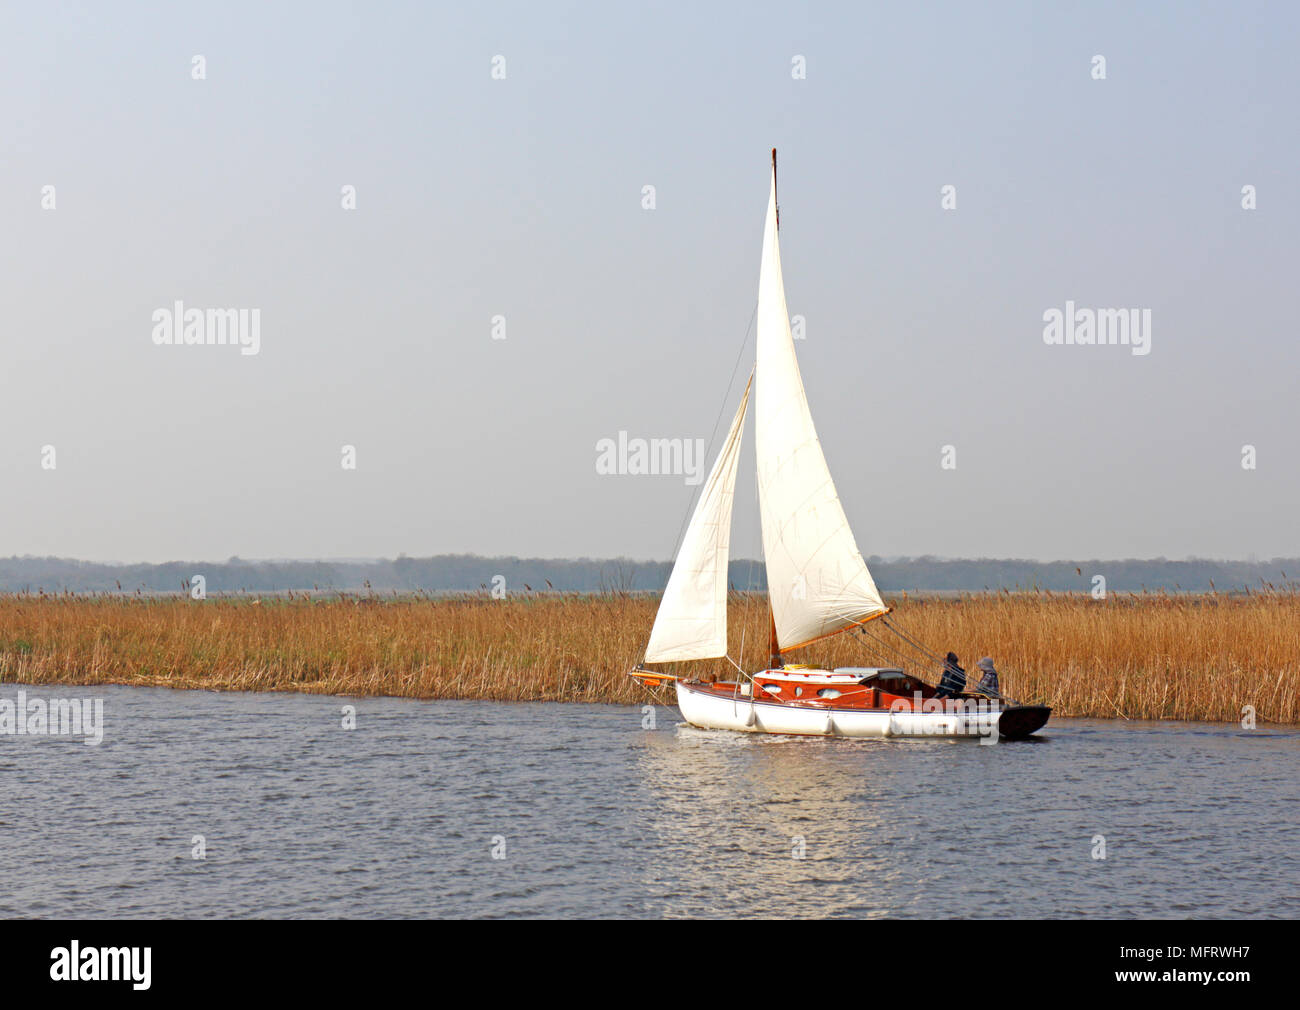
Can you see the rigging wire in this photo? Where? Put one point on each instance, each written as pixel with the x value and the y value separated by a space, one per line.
pixel 875 655
pixel 903 658
pixel 681 532
pixel 911 641
pixel 934 658
pixel 722 409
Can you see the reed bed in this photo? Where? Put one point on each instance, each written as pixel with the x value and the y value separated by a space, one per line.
pixel 1142 656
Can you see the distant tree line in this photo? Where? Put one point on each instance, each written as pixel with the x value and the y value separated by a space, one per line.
pixel 470 573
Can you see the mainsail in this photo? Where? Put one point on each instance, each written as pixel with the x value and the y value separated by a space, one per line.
pixel 692 618
pixel 817 582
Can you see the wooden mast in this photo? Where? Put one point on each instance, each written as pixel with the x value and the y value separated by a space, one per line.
pixel 773 646
pixel 774 199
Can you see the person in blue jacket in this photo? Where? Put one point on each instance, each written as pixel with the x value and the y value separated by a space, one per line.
pixel 953 681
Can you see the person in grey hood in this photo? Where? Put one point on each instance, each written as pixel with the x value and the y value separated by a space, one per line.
pixel 989 680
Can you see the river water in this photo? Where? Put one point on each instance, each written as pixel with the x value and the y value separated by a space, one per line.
pixel 477 809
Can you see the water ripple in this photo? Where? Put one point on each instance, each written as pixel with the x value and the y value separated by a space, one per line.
pixel 591 815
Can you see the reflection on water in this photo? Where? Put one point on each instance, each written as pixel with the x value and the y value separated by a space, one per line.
pixel 596 816
pixel 774 826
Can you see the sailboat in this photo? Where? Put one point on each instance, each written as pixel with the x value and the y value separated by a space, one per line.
pixel 817 581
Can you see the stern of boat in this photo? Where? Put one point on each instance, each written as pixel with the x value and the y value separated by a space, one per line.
pixel 1020 721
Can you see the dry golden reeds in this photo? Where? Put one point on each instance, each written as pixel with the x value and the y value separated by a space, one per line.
pixel 1147 656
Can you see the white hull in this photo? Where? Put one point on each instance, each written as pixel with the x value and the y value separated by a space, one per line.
pixel 747 715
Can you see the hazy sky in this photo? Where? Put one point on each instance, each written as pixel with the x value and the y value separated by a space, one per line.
pixel 522 197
